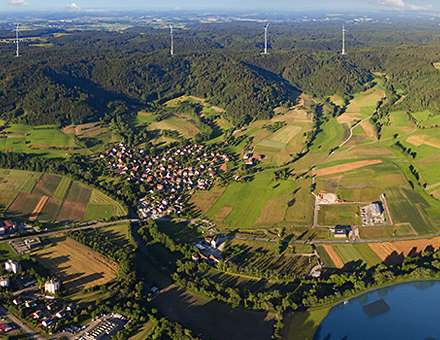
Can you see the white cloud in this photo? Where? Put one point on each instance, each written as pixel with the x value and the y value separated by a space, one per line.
pixel 400 4
pixel 18 3
pixel 73 6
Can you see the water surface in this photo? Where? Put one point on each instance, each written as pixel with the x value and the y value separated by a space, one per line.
pixel 414 314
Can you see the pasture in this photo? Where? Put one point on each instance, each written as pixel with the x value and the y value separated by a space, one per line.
pixel 426 118
pixel 357 254
pixel 77 265
pixel 195 312
pixel 248 200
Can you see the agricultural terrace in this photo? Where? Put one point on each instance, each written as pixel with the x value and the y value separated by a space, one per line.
pixel 77 265
pixel 169 178
pixel 48 197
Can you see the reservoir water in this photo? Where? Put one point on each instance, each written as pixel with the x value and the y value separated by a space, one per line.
pixel 414 314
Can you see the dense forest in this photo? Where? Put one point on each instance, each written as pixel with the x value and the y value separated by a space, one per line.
pixel 86 76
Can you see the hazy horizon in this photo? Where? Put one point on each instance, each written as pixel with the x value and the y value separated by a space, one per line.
pixel 252 5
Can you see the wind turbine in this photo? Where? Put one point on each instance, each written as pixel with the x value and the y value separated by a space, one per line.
pixel 17 31
pixel 172 41
pixel 265 39
pixel 343 40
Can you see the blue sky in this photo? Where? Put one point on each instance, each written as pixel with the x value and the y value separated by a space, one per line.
pixel 82 5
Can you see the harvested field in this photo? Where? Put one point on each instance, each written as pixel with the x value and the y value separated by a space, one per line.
pixel 394 252
pixel 292 114
pixel 418 140
pixel 333 255
pixel 286 134
pixel 345 167
pixel 38 208
pixel 325 257
pixel 196 313
pixel 368 129
pixel 272 144
pixel 47 185
pixel 205 199
pixel 77 265
pixel 71 211
pixel 273 210
pixel 23 205
pixel 223 213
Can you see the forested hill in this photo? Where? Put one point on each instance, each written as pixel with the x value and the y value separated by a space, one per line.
pixel 76 77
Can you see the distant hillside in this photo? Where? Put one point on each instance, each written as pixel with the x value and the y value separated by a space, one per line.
pixel 85 76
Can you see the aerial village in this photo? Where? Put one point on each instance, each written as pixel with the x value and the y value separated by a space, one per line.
pixel 40 304
pixel 171 176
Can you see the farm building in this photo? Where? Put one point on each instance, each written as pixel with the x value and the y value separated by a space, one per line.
pixel 52 286
pixel 341 231
pixel 11 266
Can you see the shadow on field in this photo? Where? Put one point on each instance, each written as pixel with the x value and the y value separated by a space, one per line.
pixel 212 319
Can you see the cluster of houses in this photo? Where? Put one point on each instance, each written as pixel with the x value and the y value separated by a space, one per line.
pixel 251 159
pixel 171 177
pixel 48 314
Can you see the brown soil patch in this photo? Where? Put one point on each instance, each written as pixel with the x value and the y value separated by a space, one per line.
pixel 423 139
pixel 348 116
pixel 71 211
pixel 16 136
pixel 279 110
pixel 345 167
pixel 223 213
pixel 394 252
pixel 38 208
pixel 68 129
pixel 77 265
pixel 301 102
pixel 291 114
pixel 333 255
pixel 368 129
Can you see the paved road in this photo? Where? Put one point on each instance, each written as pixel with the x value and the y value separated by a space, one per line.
pixel 25 329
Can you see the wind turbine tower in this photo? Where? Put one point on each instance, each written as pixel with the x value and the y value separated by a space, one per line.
pixel 343 40
pixel 17 41
pixel 265 39
pixel 172 41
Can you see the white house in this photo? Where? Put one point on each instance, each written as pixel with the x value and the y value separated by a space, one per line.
pixel 52 286
pixel 11 266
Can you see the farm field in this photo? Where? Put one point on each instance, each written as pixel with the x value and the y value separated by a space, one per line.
pixel 117 233
pixel 353 253
pixel 395 252
pixel 49 198
pixel 245 201
pixel 195 312
pixel 325 257
pixel 408 206
pixel 338 214
pixel 77 265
